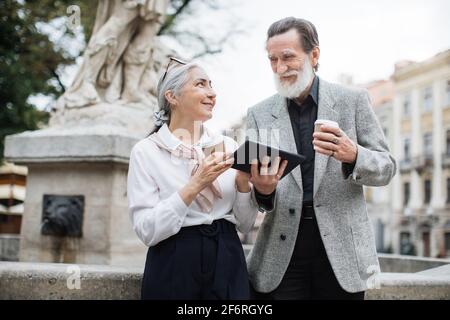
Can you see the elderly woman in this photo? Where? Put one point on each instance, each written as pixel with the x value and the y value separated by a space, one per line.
pixel 185 200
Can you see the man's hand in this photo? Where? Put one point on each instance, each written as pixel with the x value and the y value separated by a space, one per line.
pixel 334 142
pixel 265 179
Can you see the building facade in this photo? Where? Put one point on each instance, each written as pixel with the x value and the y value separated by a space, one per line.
pixel 421 146
pixel 379 199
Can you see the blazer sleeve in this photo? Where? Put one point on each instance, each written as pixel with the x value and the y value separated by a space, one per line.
pixel 153 219
pixel 374 164
pixel 265 204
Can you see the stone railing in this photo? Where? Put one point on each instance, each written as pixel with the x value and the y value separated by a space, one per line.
pixel 22 280
pixel 431 284
pixel 26 280
pixel 408 264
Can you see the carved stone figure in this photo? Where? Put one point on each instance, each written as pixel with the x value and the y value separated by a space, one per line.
pixel 119 60
pixel 62 216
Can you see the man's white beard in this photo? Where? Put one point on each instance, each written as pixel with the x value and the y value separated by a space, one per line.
pixel 294 90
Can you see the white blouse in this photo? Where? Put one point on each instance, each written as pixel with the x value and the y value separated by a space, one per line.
pixel 156 209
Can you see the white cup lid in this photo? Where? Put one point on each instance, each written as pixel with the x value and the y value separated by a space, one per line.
pixel 327 122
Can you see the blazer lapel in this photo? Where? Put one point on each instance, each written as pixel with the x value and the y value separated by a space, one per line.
pixel 325 111
pixel 282 134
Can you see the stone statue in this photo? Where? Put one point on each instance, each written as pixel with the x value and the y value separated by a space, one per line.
pixel 118 62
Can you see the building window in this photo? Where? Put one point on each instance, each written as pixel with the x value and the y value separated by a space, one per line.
pixel 428 144
pixel 427 191
pixel 427 99
pixel 448 92
pixel 448 142
pixel 407 105
pixel 426 243
pixel 406 193
pixel 406 245
pixel 447 243
pixel 406 149
pixel 448 190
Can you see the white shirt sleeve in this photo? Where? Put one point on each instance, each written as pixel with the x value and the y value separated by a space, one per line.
pixel 153 219
pixel 245 208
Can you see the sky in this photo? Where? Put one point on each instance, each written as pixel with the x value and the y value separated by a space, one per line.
pixel 360 38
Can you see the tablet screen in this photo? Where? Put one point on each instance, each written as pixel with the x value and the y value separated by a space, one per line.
pixel 252 150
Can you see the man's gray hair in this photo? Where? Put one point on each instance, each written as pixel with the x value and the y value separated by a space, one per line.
pixel 309 38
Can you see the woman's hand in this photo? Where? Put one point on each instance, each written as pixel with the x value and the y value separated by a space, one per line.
pixel 208 170
pixel 243 181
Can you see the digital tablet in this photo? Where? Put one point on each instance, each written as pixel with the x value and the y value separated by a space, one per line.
pixel 253 150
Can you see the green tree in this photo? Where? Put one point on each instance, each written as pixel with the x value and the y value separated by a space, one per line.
pixel 29 63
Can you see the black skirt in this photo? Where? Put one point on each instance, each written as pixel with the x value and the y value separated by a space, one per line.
pixel 199 262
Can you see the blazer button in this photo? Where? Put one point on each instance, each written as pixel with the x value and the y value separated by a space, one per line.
pixel 292 211
pixel 282 237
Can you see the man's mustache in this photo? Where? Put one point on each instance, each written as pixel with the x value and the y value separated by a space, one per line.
pixel 288 74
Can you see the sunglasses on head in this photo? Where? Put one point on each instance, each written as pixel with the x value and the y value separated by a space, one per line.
pixel 171 60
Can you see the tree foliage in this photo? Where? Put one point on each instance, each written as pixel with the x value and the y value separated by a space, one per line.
pixel 28 65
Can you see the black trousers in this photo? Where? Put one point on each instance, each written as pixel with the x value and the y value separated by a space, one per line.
pixel 309 275
pixel 199 262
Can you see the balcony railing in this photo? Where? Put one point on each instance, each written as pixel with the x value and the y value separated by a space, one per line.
pixel 405 165
pixel 418 163
pixel 422 162
pixel 446 160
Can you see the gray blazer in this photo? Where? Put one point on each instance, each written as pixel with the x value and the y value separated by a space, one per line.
pixel 339 201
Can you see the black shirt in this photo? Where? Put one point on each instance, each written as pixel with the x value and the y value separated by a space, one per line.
pixel 302 120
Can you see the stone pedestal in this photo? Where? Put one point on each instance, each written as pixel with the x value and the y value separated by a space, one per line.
pixel 83 152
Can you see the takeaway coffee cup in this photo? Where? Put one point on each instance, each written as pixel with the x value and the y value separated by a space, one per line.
pixel 321 122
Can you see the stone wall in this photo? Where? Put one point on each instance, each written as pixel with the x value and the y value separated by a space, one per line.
pixel 9 247
pixel 57 281
pixel 19 280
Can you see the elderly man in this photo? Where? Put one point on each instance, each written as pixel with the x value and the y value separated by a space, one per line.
pixel 316 241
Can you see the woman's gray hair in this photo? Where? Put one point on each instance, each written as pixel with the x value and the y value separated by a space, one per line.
pixel 174 80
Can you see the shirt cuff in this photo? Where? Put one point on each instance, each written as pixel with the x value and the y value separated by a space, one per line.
pixel 178 206
pixel 265 202
pixel 243 196
pixel 347 169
